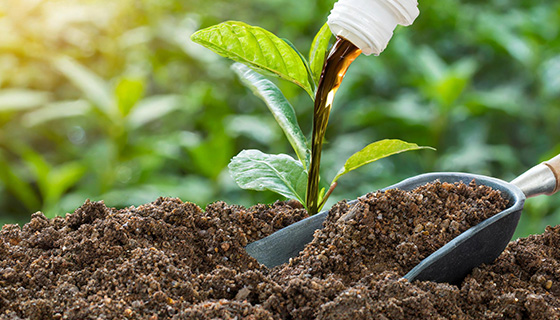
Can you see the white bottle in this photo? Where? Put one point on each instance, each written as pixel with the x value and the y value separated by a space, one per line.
pixel 369 24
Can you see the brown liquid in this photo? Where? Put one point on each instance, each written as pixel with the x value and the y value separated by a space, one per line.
pixel 340 57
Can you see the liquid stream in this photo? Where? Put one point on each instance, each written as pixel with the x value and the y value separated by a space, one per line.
pixel 339 59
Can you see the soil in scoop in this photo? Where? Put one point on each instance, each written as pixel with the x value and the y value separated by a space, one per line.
pixel 172 260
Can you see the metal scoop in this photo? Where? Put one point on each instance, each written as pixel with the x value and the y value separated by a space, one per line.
pixel 480 244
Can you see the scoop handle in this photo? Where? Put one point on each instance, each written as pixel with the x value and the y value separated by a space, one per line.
pixel 543 178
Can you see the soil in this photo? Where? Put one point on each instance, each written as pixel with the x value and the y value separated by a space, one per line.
pixel 173 260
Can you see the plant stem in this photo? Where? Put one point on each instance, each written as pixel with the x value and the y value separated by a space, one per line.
pixel 328 194
pixel 340 57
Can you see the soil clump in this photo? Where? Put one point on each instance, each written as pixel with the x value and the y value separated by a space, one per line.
pixel 173 260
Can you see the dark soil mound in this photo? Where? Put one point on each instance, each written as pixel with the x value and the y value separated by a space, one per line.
pixel 170 259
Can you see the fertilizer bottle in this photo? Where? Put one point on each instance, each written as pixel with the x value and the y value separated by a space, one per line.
pixel 369 24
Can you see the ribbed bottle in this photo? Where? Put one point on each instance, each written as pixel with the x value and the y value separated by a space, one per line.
pixel 369 24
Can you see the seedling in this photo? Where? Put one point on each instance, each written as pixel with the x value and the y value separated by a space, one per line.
pixel 256 52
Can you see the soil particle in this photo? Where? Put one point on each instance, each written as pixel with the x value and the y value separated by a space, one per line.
pixel 173 260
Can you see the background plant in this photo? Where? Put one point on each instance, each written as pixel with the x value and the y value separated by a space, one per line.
pixel 477 80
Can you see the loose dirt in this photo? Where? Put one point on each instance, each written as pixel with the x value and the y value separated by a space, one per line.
pixel 173 260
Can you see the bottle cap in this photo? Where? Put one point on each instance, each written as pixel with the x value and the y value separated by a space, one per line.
pixel 369 24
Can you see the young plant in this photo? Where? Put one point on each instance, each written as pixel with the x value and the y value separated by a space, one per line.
pixel 256 52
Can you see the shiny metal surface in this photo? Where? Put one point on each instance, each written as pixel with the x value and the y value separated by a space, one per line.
pixel 538 180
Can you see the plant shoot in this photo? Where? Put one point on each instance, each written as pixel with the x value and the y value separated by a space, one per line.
pixel 258 52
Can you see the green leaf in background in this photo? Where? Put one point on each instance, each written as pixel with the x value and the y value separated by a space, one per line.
pixel 56 111
pixel 151 109
pixel 128 92
pixel 444 82
pixel 376 151
pixel 212 155
pixel 17 185
pixel 279 106
pixel 52 181
pixel 60 179
pixel 252 127
pixel 21 99
pixel 93 86
pixel 257 48
pixel 254 170
pixel 318 52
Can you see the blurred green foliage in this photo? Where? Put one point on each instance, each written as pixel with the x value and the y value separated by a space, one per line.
pixel 109 100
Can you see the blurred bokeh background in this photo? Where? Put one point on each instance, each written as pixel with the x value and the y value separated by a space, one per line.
pixel 109 100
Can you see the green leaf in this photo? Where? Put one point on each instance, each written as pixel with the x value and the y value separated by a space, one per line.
pixel 256 47
pixel 60 179
pixel 21 99
pixel 279 106
pixel 253 127
pixel 376 151
pixel 307 67
pixel 254 170
pixel 318 52
pixel 37 164
pixel 128 92
pixel 212 155
pixel 17 185
pixel 56 111
pixel 52 181
pixel 152 108
pixel 91 85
